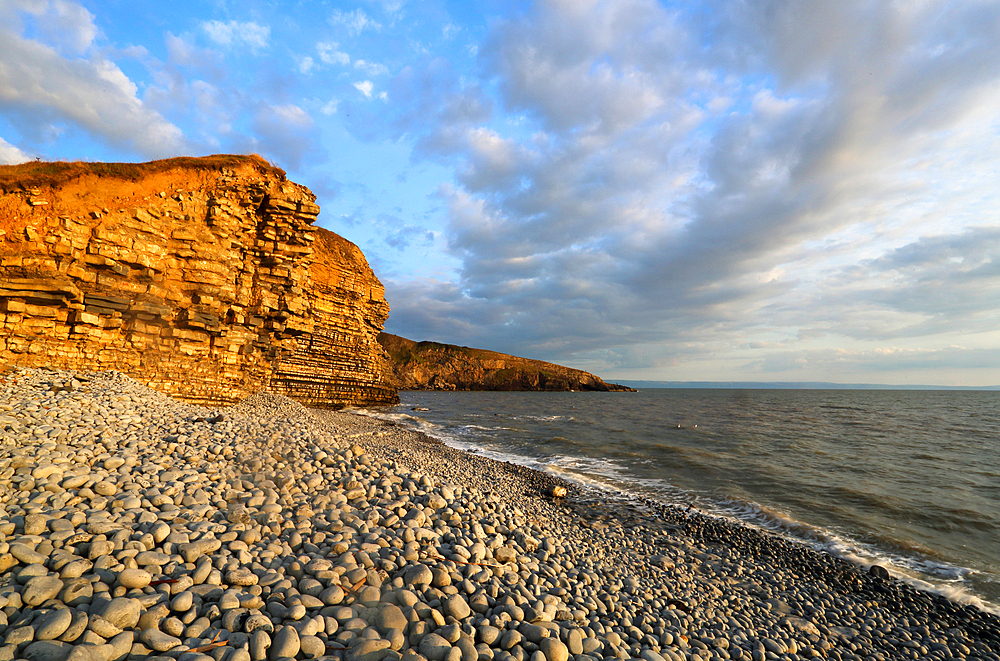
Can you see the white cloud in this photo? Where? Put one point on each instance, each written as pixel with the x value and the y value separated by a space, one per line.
pixel 365 87
pixel 306 65
pixel 11 155
pixel 43 93
pixel 329 53
pixel 65 26
pixel 356 21
pixel 371 68
pixel 293 115
pixel 285 133
pixel 237 34
pixel 669 169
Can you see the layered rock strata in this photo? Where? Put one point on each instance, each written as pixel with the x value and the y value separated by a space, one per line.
pixel 436 366
pixel 203 278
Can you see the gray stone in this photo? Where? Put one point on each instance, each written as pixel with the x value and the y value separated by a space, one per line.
pixel 457 607
pixel 369 650
pixel 103 627
pixel 332 596
pixel 182 602
pixel 390 616
pixel 258 622
pixel 123 612
pixel 76 591
pixel 159 641
pixel 417 575
pixel 554 649
pixel 504 554
pixel 100 547
pixel 487 634
pixel 242 577
pixel 91 653
pixel 40 589
pixel 451 633
pixel 76 627
pixel 284 643
pixel 574 641
pixel 312 647
pixel 134 578
pixel 434 647
pixel 34 524
pixel 533 632
pixel 153 616
pixel 19 635
pixel 47 650
pixel 27 555
pixel 147 558
pixel 51 625
pixel 260 641
pixel 467 647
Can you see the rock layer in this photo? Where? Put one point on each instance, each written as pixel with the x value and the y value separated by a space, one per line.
pixel 203 278
pixel 436 366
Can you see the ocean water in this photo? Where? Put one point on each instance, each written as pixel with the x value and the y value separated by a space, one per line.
pixel 908 479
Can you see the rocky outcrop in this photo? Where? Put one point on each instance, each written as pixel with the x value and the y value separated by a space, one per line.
pixel 434 366
pixel 203 278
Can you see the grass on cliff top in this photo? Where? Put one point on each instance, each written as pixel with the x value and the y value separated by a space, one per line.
pixel 42 173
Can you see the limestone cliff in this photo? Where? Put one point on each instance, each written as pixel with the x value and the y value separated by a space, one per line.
pixel 434 366
pixel 202 277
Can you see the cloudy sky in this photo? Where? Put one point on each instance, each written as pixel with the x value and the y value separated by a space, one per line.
pixel 768 190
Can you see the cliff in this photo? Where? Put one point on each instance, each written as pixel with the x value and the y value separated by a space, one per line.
pixel 202 277
pixel 434 366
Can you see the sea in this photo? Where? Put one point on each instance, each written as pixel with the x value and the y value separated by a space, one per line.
pixel 909 480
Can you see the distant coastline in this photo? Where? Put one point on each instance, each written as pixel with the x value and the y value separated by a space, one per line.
pixel 792 385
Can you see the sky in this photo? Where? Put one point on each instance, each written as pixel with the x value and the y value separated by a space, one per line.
pixel 708 190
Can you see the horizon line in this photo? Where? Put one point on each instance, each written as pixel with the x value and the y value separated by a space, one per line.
pixel 790 385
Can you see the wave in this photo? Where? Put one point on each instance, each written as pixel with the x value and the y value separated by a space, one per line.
pixel 635 474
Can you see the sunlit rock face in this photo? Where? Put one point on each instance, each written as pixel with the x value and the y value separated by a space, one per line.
pixel 202 277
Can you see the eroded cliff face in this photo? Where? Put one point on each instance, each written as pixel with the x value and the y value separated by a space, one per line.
pixel 436 366
pixel 203 278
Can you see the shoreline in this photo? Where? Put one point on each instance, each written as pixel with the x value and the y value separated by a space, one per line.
pixel 134 526
pixel 656 468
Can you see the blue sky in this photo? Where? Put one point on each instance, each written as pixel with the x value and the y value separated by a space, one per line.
pixel 716 190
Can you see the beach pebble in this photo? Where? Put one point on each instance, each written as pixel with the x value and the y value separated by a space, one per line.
pixel 47 650
pixel 553 649
pixel 27 555
pixel 92 653
pixel 311 647
pixel 159 641
pixel 52 624
pixel 284 643
pixel 40 589
pixel 369 650
pixel 122 612
pixel 390 616
pixel 417 575
pixel 434 648
pixel 102 627
pixel 134 578
pixel 260 641
pixel 150 528
pixel 457 607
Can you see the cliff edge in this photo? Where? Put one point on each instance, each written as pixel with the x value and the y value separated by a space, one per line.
pixel 435 366
pixel 204 278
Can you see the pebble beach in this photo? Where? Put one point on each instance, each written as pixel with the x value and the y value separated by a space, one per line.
pixel 133 526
